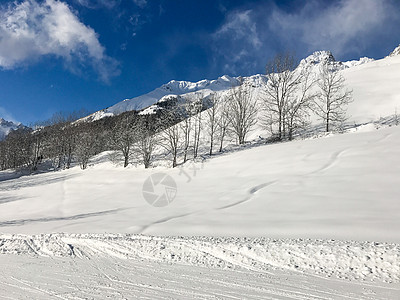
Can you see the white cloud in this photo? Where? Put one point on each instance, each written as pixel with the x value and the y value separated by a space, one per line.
pixel 240 26
pixel 236 41
pixel 30 30
pixel 349 28
pixel 93 4
pixel 140 3
pixel 342 27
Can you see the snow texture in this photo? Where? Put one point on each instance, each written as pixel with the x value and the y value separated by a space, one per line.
pixel 133 266
pixel 349 260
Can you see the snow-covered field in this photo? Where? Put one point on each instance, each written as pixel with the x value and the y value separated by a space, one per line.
pixel 310 219
pixel 324 197
pixel 341 187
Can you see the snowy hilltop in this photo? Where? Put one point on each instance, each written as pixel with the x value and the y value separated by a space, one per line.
pixel 188 89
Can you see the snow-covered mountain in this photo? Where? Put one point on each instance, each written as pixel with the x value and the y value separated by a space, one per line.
pixel 190 90
pixel 6 127
pixel 171 88
pixel 323 57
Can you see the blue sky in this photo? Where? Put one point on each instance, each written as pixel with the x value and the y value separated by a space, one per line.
pixel 73 54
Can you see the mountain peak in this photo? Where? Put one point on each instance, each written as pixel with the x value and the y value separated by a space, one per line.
pixel 318 57
pixel 4 123
pixel 396 51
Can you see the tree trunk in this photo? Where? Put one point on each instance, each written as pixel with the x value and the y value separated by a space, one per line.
pixel 126 161
pixel 327 122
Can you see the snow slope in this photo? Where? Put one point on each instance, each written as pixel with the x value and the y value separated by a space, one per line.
pixel 376 89
pixel 341 187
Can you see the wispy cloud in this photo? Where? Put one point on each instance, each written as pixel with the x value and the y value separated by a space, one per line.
pixel 237 40
pixel 240 26
pixel 95 4
pixel 136 21
pixel 249 37
pixel 140 3
pixel 6 115
pixel 30 30
pixel 343 26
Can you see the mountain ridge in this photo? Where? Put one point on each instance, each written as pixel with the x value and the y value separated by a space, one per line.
pixel 147 101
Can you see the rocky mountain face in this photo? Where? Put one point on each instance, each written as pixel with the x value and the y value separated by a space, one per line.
pixel 7 126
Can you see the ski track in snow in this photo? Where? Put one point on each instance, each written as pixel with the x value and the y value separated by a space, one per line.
pixel 52 219
pixel 332 161
pixel 96 266
pixel 252 191
pixel 13 184
pixel 164 220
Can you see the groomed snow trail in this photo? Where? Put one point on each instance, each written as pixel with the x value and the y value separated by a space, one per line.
pixel 83 266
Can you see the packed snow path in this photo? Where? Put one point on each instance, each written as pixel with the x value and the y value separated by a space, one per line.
pixel 135 266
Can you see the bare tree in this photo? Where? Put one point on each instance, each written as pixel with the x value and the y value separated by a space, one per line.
pixel 69 145
pixel 3 155
pixel 333 98
pixel 124 135
pixel 242 110
pixel 147 141
pixel 186 127
pixel 36 145
pixel 287 96
pixel 213 119
pixel 54 145
pixel 171 135
pixel 299 104
pixel 18 148
pixel 282 83
pixel 87 143
pixel 223 123
pixel 197 118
